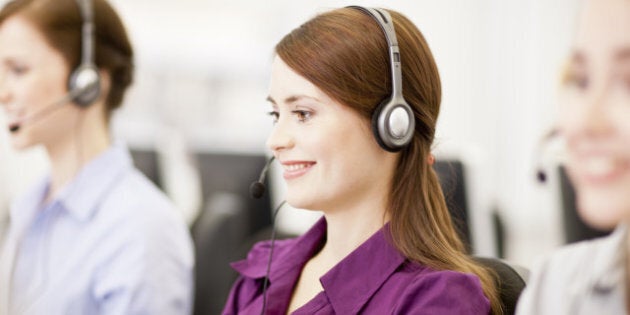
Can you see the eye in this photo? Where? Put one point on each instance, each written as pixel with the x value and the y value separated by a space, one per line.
pixel 275 115
pixel 576 77
pixel 302 115
pixel 578 80
pixel 17 69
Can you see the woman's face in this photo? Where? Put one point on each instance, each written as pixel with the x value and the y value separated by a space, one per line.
pixel 33 76
pixel 595 113
pixel 329 156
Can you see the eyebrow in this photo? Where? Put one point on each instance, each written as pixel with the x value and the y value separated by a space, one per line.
pixel 293 98
pixel 621 54
pixel 577 57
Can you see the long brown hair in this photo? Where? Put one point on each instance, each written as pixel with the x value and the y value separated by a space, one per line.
pixel 60 23
pixel 344 53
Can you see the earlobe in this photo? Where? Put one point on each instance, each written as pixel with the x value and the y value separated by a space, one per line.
pixel 106 84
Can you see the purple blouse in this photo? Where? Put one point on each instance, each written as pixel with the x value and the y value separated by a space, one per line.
pixel 373 279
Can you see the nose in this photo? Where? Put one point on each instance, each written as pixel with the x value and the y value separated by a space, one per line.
pixel 281 137
pixel 594 116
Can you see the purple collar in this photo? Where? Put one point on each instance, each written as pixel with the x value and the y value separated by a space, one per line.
pixel 348 285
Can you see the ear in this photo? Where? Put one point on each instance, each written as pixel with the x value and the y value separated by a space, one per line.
pixel 106 83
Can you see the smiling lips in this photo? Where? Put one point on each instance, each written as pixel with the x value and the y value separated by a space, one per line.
pixel 295 169
pixel 603 170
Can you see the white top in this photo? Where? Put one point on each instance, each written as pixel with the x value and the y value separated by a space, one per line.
pixel 582 278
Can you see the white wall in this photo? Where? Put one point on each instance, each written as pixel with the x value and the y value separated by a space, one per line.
pixel 203 70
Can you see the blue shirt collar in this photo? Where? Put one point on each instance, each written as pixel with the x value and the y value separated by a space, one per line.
pixel 88 188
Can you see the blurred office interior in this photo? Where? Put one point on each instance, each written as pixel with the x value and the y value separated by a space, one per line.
pixel 196 119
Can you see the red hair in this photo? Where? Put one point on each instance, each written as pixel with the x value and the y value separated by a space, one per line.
pixel 345 54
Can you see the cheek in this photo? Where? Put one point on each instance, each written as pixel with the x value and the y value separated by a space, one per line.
pixel 603 209
pixel 40 92
pixel 568 120
pixel 621 122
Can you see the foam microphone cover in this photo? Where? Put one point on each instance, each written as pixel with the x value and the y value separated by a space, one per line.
pixel 257 190
pixel 541 176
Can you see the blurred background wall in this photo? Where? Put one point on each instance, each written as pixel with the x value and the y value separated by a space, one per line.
pixel 202 77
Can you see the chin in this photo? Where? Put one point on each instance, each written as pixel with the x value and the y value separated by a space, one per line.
pixel 20 145
pixel 603 214
pixel 22 140
pixel 301 202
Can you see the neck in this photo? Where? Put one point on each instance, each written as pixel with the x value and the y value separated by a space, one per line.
pixel 68 155
pixel 349 228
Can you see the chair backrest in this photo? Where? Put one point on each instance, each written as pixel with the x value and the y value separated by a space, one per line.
pixel 228 220
pixel 147 162
pixel 451 175
pixel 510 281
pixel 230 172
pixel 218 234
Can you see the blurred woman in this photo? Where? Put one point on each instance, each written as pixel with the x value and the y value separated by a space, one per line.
pixel 386 244
pixel 593 277
pixel 94 236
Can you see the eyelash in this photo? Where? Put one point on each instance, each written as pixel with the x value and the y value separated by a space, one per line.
pixel 275 115
pixel 18 70
pixel 578 80
pixel 302 115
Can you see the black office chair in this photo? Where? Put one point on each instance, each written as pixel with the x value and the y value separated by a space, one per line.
pixel 451 176
pixel 146 161
pixel 510 280
pixel 231 172
pixel 228 220
pixel 218 234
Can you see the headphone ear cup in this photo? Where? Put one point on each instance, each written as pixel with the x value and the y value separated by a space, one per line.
pixel 393 125
pixel 85 81
pixel 378 132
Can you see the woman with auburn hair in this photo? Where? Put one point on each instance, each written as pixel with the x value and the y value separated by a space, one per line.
pixel 95 236
pixel 386 244
pixel 593 277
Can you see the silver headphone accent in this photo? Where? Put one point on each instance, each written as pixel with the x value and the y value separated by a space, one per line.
pixel 393 121
pixel 85 80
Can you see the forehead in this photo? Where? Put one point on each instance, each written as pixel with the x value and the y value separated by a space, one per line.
pixel 285 82
pixel 19 35
pixel 604 27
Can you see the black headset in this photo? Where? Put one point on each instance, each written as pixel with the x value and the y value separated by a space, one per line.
pixel 393 121
pixel 85 80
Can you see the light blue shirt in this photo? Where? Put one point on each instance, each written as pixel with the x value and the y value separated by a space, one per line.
pixel 110 243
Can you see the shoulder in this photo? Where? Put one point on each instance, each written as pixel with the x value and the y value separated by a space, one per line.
pixel 143 218
pixel 134 189
pixel 435 292
pixel 143 249
pixel 553 277
pixel 567 264
pixel 134 200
